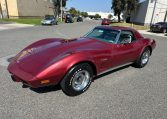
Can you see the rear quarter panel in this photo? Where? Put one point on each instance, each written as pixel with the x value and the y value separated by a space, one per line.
pixel 146 42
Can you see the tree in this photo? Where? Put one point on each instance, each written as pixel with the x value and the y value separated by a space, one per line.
pixel 110 16
pixel 126 6
pixel 78 13
pixel 57 6
pixel 130 6
pixel 118 7
pixel 97 16
pixel 73 11
pixel 84 14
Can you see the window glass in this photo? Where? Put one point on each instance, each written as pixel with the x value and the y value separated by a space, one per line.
pixel 126 35
pixel 106 35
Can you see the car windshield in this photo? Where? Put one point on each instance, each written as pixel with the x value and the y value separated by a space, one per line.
pixel 68 15
pixel 106 35
pixel 48 18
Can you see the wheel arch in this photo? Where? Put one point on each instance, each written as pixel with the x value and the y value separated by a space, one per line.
pixel 80 62
pixel 150 48
pixel 88 62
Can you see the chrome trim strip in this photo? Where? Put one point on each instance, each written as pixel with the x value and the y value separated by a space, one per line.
pixel 117 67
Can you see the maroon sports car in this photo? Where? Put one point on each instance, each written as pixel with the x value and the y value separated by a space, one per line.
pixel 74 63
pixel 106 22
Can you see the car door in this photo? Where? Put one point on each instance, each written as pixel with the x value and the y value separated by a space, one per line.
pixel 125 52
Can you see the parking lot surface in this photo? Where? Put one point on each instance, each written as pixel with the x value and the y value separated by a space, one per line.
pixel 127 93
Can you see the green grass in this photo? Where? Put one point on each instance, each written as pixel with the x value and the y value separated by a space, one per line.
pixel 25 21
pixel 38 22
pixel 137 27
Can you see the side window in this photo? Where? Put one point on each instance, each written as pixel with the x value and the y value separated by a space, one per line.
pixel 126 37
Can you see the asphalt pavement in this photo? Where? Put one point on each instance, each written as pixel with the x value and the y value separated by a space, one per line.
pixel 127 93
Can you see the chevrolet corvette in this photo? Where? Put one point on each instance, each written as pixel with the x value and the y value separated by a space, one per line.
pixel 74 63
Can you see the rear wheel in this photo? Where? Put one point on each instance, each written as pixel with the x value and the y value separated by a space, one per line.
pixel 77 80
pixel 143 59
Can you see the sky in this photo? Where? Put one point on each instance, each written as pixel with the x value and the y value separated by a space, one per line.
pixel 90 5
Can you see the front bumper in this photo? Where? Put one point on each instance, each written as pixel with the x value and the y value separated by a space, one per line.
pixel 156 29
pixel 18 75
pixel 46 23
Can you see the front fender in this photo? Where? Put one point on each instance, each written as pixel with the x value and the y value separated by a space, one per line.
pixel 59 69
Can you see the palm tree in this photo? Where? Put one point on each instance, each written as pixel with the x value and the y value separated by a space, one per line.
pixel 57 6
pixel 126 6
pixel 131 5
pixel 118 7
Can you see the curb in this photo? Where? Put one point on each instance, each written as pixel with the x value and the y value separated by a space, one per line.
pixel 150 33
pixel 13 26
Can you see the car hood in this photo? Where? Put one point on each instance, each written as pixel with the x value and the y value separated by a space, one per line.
pixel 157 24
pixel 41 54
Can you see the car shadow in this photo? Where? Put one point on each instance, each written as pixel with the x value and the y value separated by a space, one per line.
pixel 46 89
pixel 155 32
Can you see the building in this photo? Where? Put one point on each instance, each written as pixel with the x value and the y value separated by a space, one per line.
pixel 25 8
pixel 150 11
pixel 104 15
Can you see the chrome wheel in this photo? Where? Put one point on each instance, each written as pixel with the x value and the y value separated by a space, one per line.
pixel 80 80
pixel 145 57
pixel 77 80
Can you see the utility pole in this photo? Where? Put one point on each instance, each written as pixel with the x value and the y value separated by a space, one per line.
pixel 165 16
pixel 1 10
pixel 61 10
pixel 153 12
pixel 6 3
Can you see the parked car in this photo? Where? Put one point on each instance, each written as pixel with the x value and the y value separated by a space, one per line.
pixel 106 22
pixel 159 27
pixel 79 19
pixel 69 18
pixel 74 63
pixel 49 20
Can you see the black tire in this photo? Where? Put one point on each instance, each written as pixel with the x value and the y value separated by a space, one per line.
pixel 53 23
pixel 140 63
pixel 164 31
pixel 75 74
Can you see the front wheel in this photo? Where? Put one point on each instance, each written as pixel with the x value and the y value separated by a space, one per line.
pixel 77 80
pixel 143 59
pixel 164 31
